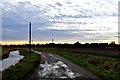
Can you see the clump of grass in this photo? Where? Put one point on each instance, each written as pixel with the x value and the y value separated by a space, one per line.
pixel 22 69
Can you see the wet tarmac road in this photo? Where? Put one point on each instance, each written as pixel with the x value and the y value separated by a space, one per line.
pixel 53 68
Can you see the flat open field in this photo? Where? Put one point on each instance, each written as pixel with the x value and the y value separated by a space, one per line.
pixel 110 52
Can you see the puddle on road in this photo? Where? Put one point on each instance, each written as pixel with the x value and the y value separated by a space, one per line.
pixel 37 52
pixel 51 55
pixel 13 59
pixel 56 70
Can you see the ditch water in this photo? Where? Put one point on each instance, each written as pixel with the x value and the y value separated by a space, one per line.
pixel 13 59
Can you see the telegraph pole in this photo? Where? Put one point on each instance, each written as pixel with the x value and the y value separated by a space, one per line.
pixel 30 37
pixel 52 40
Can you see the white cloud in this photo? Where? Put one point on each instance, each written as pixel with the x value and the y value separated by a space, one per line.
pixel 84 15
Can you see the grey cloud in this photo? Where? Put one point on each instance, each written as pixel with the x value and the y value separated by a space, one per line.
pixel 58 3
pixel 12 34
pixel 68 2
pixel 57 34
pixel 16 17
pixel 15 24
pixel 25 3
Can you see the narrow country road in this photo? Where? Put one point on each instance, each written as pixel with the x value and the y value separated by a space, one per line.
pixel 54 66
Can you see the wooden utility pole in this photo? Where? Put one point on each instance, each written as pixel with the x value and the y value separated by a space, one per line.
pixel 30 37
pixel 52 40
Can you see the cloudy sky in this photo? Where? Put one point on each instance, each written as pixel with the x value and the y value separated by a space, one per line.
pixel 63 20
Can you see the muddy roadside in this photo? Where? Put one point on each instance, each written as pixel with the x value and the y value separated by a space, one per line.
pixel 52 58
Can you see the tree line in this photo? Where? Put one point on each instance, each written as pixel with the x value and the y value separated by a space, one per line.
pixel 75 45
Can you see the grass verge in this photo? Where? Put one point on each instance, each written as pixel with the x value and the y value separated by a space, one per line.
pixel 24 68
pixel 107 74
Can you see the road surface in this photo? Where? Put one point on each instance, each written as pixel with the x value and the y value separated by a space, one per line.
pixel 54 66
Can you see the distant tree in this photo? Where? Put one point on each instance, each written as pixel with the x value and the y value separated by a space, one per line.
pixel 86 43
pixel 77 42
pixel 112 42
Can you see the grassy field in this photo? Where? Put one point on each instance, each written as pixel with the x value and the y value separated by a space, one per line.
pixel 103 66
pixel 109 52
pixel 24 68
